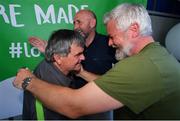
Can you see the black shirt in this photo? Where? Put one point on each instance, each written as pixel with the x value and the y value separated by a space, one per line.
pixel 50 73
pixel 99 57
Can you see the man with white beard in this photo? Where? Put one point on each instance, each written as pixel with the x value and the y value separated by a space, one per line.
pixel 146 83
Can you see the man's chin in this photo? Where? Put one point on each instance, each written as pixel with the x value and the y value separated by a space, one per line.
pixel 120 55
pixel 81 33
pixel 77 68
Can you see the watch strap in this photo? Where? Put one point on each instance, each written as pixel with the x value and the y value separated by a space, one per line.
pixel 26 82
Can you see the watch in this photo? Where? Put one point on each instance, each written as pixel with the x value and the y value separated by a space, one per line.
pixel 26 82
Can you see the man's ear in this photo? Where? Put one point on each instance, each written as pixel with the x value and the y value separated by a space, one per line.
pixel 57 58
pixel 93 23
pixel 134 30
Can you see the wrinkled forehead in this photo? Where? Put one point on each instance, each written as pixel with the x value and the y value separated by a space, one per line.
pixel 75 49
pixel 111 26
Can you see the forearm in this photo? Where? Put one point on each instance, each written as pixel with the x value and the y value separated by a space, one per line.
pixel 88 76
pixel 56 98
pixel 70 102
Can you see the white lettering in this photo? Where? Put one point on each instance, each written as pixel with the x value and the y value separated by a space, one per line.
pixel 70 13
pixel 84 6
pixel 26 50
pixel 62 15
pixel 50 14
pixel 13 15
pixel 35 52
pixel 2 12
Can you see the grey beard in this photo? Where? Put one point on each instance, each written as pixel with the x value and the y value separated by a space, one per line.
pixel 123 53
pixel 84 35
pixel 120 55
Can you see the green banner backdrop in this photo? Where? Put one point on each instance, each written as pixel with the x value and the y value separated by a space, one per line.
pixel 20 19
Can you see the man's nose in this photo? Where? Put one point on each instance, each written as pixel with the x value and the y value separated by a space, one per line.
pixel 82 57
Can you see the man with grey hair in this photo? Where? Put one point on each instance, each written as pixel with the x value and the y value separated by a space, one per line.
pixel 99 56
pixel 63 54
pixel 146 83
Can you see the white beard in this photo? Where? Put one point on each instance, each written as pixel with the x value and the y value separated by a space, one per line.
pixel 123 53
pixel 120 55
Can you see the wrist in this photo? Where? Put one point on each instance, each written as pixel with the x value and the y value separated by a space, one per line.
pixel 26 82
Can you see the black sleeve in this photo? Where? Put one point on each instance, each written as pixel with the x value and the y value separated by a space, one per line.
pixel 29 110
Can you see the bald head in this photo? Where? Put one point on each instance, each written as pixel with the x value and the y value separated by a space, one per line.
pixel 85 22
pixel 87 13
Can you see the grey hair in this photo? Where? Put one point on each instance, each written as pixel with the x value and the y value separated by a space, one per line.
pixel 60 42
pixel 127 14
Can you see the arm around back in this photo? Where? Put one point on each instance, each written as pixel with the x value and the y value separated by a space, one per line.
pixel 73 103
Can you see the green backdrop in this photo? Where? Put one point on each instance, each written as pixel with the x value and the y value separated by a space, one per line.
pixel 20 19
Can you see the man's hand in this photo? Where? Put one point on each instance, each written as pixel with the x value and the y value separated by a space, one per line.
pixel 88 76
pixel 21 75
pixel 38 43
